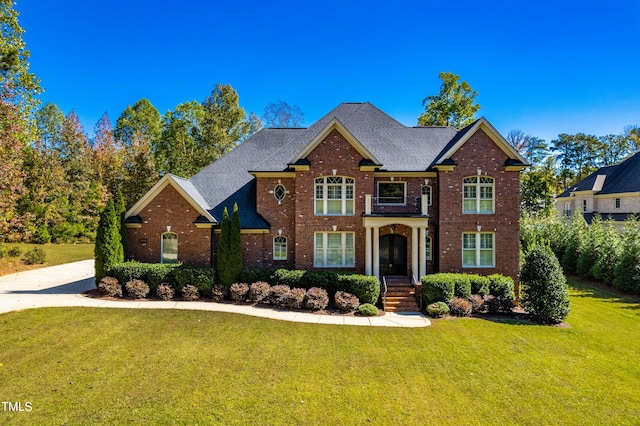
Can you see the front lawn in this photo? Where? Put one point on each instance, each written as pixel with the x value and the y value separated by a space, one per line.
pixel 56 254
pixel 121 366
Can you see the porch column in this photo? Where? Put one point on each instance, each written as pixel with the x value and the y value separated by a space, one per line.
pixel 423 251
pixel 367 250
pixel 414 251
pixel 376 251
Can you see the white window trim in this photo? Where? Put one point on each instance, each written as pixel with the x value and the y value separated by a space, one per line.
pixel 162 246
pixel 430 194
pixel 429 247
pixel 479 185
pixel 404 193
pixel 478 250
pixel 325 249
pixel 286 242
pixel 284 192
pixel 325 198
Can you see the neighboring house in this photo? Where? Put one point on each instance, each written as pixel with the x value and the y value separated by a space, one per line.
pixel 356 191
pixel 612 191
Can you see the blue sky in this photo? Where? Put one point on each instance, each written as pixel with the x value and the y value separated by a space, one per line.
pixel 544 67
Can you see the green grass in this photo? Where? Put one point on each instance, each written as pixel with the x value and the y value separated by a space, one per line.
pixel 92 366
pixel 56 254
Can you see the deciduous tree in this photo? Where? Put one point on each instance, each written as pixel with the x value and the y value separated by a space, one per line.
pixel 281 115
pixel 452 106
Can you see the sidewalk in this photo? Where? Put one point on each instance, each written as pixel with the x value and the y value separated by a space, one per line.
pixel 62 286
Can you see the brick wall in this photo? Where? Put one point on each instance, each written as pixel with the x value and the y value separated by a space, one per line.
pixel 479 152
pixel 280 217
pixel 169 208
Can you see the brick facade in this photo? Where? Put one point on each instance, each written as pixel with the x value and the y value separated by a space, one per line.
pixel 169 208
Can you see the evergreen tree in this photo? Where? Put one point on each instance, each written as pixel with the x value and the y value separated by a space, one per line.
pixel 235 245
pixel 108 248
pixel 224 271
pixel 575 241
pixel 122 228
pixel 610 251
pixel 627 270
pixel 544 287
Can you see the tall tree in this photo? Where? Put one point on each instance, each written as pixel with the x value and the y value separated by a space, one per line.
pixel 121 210
pixel 109 155
pixel 224 242
pixel 224 124
pixel 142 117
pixel 578 156
pixel 615 149
pixel 452 106
pixel 537 189
pixel 632 134
pixel 140 169
pixel 281 115
pixel 108 249
pixel 11 173
pixel 532 148
pixel 179 150
pixel 235 244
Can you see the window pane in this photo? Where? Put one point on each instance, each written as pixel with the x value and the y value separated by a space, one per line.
pixel 428 248
pixel 319 240
pixel 486 241
pixel 319 206
pixel 334 207
pixel 349 241
pixel 334 240
pixel 470 180
pixel 334 257
pixel 468 257
pixel 350 257
pixel 486 257
pixel 349 207
pixel 469 241
pixel 486 206
pixel 469 205
pixel 486 192
pixel 169 248
pixel 390 192
pixel 469 191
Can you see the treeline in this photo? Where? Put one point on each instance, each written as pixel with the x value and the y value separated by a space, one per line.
pixel 599 251
pixel 567 160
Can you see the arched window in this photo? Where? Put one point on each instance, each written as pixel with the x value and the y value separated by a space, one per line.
pixel 426 190
pixel 334 196
pixel 169 248
pixel 280 248
pixel 477 195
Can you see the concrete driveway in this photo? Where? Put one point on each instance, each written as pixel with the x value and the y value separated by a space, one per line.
pixel 63 285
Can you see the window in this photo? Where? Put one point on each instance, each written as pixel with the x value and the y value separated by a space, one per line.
pixel 334 249
pixel 426 190
pixel 428 248
pixel 280 248
pixel 477 194
pixel 617 203
pixel 391 193
pixel 279 192
pixel 478 250
pixel 334 195
pixel 169 248
pixel 584 206
pixel 567 208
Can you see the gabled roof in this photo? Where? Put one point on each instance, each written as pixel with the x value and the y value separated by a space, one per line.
pixel 186 188
pixel 616 179
pixel 382 141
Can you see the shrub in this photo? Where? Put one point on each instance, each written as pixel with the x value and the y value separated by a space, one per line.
pixel 479 284
pixel 190 292
pixel 367 310
pixel 460 307
pixel 545 294
pixel 253 274
pixel 279 295
pixel 477 303
pixel 437 288
pixel 14 251
pixel 627 269
pixel 437 309
pixel 3 250
pixel 42 235
pixel 153 274
pixel 200 277
pixel 316 299
pixel 259 291
pixel 287 277
pixel 296 298
pixel 365 288
pixel 238 291
pixel 502 286
pixel 35 256
pixel 137 289
pixel 165 292
pixel 108 250
pixel 462 285
pixel 346 302
pixel 219 293
pixel 498 304
pixel 109 286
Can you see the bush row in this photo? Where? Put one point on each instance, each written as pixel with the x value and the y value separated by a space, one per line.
pixel 34 256
pixel 464 307
pixel 154 274
pixel 443 287
pixel 365 287
pixel 598 251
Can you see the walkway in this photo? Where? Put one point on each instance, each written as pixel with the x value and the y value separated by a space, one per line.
pixel 63 286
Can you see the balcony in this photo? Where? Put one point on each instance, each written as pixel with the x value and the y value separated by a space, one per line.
pixel 391 206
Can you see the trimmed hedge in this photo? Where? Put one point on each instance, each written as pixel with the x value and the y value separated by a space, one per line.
pixel 154 274
pixel 501 286
pixel 437 288
pixel 443 287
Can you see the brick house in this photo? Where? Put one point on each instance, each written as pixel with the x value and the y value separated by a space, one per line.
pixel 355 191
pixel 611 191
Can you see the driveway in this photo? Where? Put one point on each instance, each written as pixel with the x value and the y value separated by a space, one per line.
pixel 62 285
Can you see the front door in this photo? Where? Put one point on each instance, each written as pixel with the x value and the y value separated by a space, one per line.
pixel 393 254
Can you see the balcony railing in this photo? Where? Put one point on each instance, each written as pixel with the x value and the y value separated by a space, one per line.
pixel 397 205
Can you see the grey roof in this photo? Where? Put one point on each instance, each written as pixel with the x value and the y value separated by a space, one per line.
pixel 397 147
pixel 620 178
